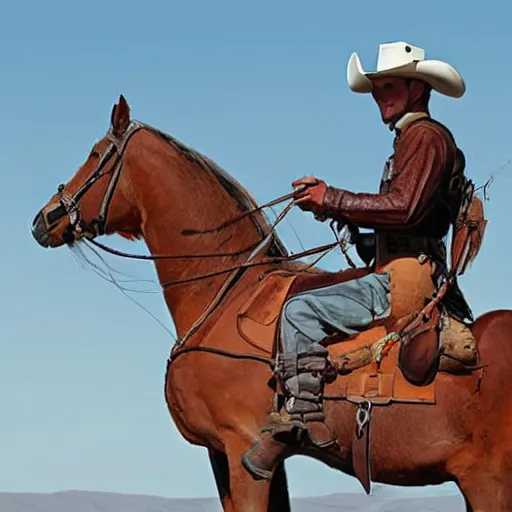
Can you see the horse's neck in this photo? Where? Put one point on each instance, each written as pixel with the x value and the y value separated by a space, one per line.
pixel 178 195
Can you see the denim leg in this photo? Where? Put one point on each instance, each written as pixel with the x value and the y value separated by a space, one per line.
pixel 347 307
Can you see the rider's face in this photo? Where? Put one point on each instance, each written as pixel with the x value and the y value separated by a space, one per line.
pixel 392 96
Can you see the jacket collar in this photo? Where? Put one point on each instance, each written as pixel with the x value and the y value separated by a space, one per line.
pixel 402 124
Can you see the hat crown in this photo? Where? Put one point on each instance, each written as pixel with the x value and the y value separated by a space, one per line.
pixel 393 55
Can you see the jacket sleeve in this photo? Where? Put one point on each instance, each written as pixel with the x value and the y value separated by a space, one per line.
pixel 419 161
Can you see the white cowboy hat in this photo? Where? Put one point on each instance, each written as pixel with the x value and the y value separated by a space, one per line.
pixel 402 59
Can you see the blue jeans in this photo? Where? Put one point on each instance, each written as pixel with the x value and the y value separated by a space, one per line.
pixel 348 307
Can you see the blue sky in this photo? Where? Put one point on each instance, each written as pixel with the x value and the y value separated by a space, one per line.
pixel 260 88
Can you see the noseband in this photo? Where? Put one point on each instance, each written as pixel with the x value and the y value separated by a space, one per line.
pixel 69 204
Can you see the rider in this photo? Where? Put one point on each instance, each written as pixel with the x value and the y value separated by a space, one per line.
pixel 410 214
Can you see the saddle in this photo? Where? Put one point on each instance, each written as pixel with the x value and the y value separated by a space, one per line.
pixel 428 340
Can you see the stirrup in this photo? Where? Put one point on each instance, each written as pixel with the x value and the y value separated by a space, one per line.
pixel 299 429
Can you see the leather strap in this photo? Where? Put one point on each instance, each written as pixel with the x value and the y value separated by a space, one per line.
pixel 361 445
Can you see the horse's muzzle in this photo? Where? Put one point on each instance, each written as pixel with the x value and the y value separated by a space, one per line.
pixel 39 230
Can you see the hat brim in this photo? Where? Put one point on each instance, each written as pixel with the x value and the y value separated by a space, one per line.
pixel 438 74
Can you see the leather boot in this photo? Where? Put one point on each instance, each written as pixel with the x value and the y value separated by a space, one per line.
pixel 303 379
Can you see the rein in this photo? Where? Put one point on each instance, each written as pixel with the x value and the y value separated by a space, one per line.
pixel 266 261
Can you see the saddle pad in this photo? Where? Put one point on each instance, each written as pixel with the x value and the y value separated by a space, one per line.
pixel 257 318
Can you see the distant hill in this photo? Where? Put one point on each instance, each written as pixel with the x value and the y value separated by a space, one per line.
pixel 81 501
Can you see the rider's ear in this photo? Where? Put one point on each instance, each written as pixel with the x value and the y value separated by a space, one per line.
pixel 417 90
pixel 120 117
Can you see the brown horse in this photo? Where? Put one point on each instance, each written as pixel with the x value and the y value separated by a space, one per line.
pixel 141 183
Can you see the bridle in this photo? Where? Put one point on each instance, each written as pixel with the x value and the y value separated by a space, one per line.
pixel 69 204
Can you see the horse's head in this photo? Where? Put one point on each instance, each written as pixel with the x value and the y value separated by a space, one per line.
pixel 97 198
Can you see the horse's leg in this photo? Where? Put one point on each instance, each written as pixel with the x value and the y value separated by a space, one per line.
pixel 220 468
pixel 279 496
pixel 484 491
pixel 245 493
pixel 277 500
pixel 469 508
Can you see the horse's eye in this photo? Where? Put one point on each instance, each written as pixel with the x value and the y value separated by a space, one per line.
pixel 94 154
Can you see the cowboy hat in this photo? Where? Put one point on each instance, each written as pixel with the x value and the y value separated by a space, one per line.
pixel 402 59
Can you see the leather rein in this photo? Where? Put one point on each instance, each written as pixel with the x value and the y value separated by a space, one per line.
pixel 78 230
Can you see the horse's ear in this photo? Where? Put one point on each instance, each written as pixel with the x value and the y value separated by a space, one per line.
pixel 120 117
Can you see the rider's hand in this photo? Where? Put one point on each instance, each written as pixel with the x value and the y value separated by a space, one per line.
pixel 310 194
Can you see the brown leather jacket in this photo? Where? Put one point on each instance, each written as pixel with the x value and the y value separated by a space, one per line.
pixel 414 199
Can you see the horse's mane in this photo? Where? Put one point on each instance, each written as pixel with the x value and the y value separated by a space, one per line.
pixel 240 194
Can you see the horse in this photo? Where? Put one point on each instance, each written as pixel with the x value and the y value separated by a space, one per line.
pixel 224 274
